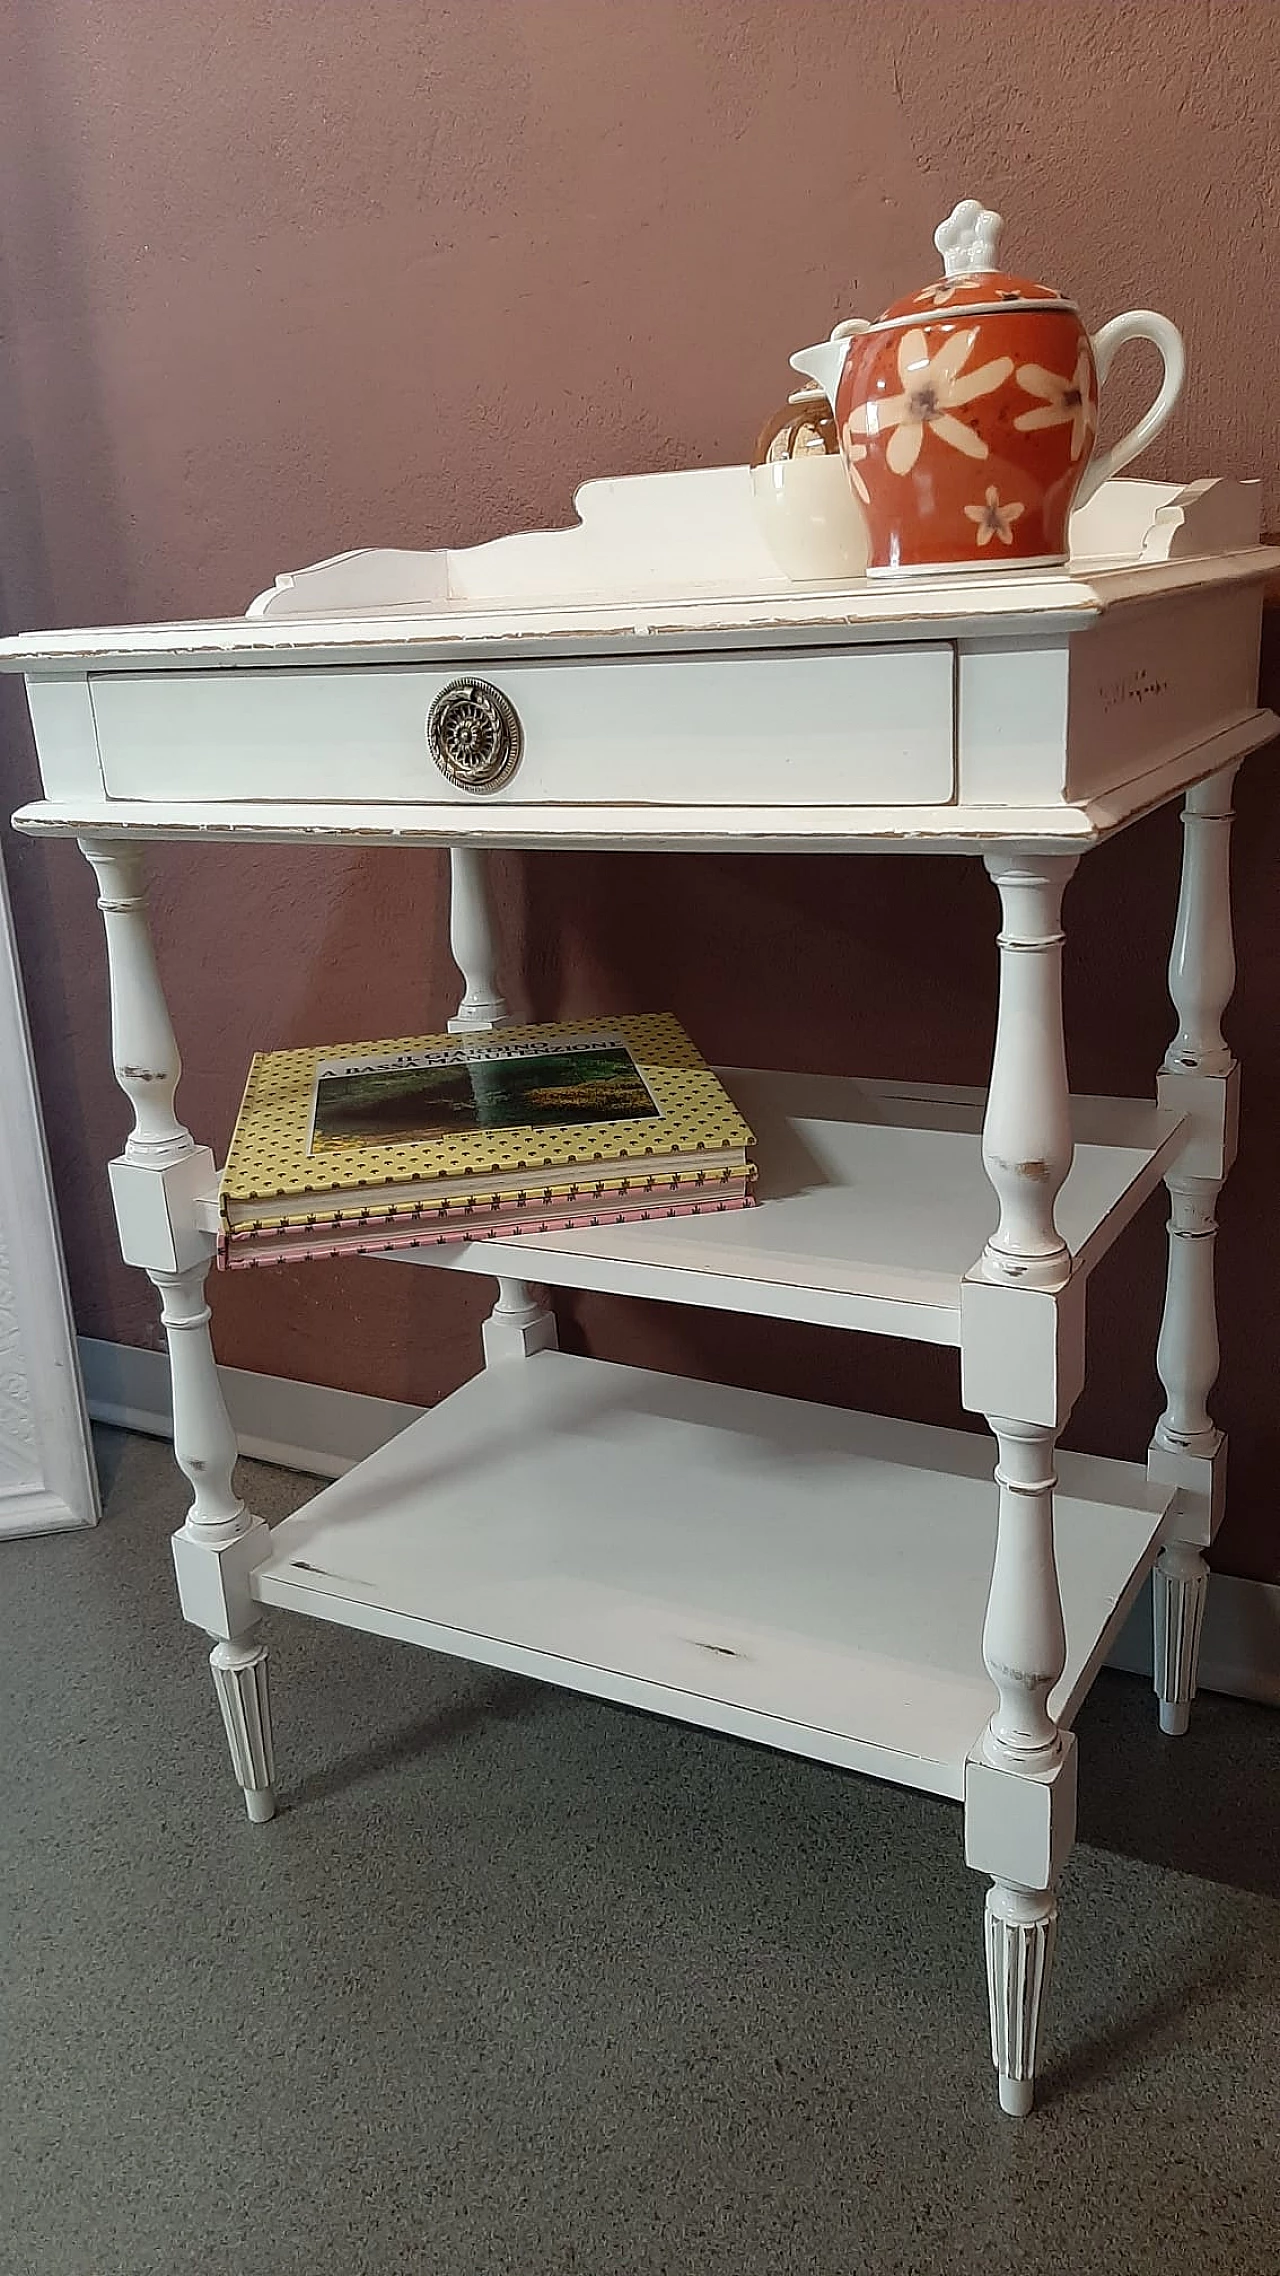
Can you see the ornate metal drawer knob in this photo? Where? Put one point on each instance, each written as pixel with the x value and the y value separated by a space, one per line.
pixel 474 735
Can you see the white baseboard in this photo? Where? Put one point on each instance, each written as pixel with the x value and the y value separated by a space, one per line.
pixel 1240 1646
pixel 303 1426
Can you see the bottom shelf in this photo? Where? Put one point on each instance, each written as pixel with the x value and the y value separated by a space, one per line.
pixel 791 1573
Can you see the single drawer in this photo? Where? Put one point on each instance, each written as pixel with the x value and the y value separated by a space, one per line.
pixel 867 726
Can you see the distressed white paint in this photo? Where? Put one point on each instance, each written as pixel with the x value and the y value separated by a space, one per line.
pixel 619 1532
pixel 1149 683
pixel 1187 1352
pixel 1187 1446
pixel 1012 714
pixel 1026 1136
pixel 692 530
pixel 732 710
pixel 1021 1929
pixel 691 543
pixel 218 1536
pixel 873 1206
pixel 1059 827
pixel 804 730
pixel 1202 963
pixel 203 1439
pixel 143 1051
pixel 61 707
pixel 1024 1642
pixel 1166 521
pixel 1020 1827
pixel 1022 1348
pixel 790 700
pixel 309 1427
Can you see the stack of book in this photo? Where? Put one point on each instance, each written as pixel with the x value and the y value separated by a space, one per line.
pixel 470 1137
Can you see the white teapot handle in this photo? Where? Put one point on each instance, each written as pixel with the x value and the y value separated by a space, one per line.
pixel 1138 324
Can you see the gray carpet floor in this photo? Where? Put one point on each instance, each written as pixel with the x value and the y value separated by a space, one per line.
pixel 518 1981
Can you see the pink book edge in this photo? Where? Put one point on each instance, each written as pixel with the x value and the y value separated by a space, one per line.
pixel 242 1256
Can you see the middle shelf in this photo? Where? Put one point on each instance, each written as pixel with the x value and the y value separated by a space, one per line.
pixel 873 1205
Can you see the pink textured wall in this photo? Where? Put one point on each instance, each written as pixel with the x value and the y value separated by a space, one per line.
pixel 276 279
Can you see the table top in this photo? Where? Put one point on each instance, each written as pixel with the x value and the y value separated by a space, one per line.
pixel 733 707
pixel 674 561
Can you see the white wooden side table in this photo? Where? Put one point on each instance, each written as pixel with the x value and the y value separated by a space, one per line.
pixel 844 1586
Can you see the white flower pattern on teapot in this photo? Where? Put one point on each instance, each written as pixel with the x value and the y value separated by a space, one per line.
pixel 934 388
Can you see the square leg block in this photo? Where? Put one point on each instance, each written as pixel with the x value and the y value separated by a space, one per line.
pixel 1019 1826
pixel 1201 1483
pixel 155 1211
pixel 214 1579
pixel 1021 1349
pixel 510 1335
pixel 1211 1104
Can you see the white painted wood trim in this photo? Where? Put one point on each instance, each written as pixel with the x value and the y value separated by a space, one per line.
pixel 47 1477
pixel 471 944
pixel 301 1426
pixel 772 828
pixel 306 1426
pixel 816 728
pixel 699 530
pixel 482 1531
pixel 872 1207
pixel 703 571
pixel 1026 1133
pixel 1239 1643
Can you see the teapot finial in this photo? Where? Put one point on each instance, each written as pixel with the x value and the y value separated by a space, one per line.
pixel 967 239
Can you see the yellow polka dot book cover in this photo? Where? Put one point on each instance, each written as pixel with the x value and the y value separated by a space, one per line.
pixel 462 1137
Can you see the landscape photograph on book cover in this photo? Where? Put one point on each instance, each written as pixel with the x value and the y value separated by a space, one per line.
pixel 403 1105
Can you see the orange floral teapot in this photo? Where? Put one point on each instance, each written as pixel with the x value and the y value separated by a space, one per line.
pixel 968 413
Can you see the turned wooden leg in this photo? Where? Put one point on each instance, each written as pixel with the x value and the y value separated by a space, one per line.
pixel 1187 1352
pixel 1022 1363
pixel 471 940
pixel 1026 1134
pixel 1024 1821
pixel 220 1543
pixel 1198 1079
pixel 519 1323
pixel 155 1184
pixel 1024 1642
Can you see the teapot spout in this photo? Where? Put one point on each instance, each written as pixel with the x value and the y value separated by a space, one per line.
pixel 825 363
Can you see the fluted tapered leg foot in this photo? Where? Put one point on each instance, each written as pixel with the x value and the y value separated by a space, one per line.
pixel 240 1680
pixel 1179 1587
pixel 1021 1925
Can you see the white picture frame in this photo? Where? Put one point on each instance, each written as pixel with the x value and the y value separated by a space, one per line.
pixel 47 1477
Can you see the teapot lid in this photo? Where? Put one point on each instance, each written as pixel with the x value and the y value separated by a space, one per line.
pixel 973 283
